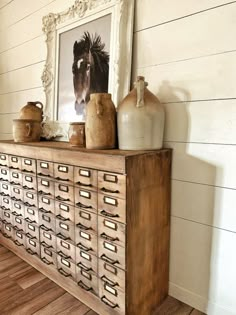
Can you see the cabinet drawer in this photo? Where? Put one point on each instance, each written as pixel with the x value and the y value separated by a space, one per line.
pixel 64 192
pixel 6 203
pixel 66 268
pixel 28 165
pixel 15 162
pixel 112 297
pixel 86 241
pixel 48 256
pixel 18 221
pixel 29 182
pixel 86 220
pixel 45 168
pixel 85 178
pixel 48 238
pixel 18 208
pixel 111 183
pixel 31 214
pixel 65 229
pixel 16 193
pixel 47 219
pixel 111 207
pixel 65 211
pixel 32 230
pixel 65 249
pixel 32 246
pixel 15 177
pixel 19 237
pixel 111 274
pixel 45 187
pixel 30 198
pixel 86 199
pixel 64 173
pixel 5 189
pixel 87 280
pixel 7 230
pixel 111 253
pixel 4 159
pixel 7 216
pixel 4 174
pixel 46 204
pixel 111 230
pixel 86 260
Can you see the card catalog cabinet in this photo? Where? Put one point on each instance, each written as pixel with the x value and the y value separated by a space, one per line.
pixel 95 222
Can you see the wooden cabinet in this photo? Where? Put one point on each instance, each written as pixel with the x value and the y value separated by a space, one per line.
pixel 94 221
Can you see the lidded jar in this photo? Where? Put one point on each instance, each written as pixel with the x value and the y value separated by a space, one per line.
pixel 100 125
pixel 140 119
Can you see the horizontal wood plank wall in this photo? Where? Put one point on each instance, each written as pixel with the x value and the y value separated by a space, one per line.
pixel 187 52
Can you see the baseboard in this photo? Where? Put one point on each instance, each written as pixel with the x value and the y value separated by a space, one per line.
pixel 197 301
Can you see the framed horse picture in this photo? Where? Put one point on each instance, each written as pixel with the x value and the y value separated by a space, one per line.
pixel 89 49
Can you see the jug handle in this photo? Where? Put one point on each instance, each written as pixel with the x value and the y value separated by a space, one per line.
pixel 28 125
pixel 140 85
pixel 38 103
pixel 99 108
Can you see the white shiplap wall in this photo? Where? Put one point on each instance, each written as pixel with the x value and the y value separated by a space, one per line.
pixel 187 51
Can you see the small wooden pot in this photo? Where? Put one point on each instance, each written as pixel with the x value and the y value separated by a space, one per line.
pixel 76 134
pixel 26 130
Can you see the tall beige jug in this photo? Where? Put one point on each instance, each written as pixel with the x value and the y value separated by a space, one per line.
pixel 32 110
pixel 140 119
pixel 100 125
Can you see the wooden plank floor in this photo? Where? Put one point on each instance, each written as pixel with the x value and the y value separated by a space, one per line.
pixel 25 291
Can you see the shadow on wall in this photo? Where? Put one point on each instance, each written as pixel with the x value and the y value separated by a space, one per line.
pixel 190 272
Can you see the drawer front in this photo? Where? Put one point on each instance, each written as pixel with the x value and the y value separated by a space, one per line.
pixel 4 174
pixel 29 182
pixel 30 198
pixel 5 189
pixel 112 208
pixel 64 192
pixel 87 280
pixel 86 220
pixel 32 246
pixel 32 230
pixel 45 187
pixel 18 222
pixel 86 241
pixel 112 297
pixel 7 230
pixel 7 216
pixel 65 211
pixel 65 230
pixel 4 159
pixel 15 162
pixel 111 253
pixel 64 173
pixel 18 208
pixel 6 203
pixel 47 220
pixel 111 230
pixel 15 177
pixel 31 215
pixel 112 184
pixel 111 274
pixel 65 249
pixel 86 199
pixel 46 204
pixel 86 260
pixel 19 237
pixel 16 193
pixel 66 268
pixel 28 165
pixel 45 168
pixel 48 238
pixel 48 256
pixel 85 178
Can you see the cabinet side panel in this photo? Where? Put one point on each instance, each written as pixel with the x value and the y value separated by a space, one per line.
pixel 148 227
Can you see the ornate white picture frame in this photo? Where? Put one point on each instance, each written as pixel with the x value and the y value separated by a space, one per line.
pixel 120 51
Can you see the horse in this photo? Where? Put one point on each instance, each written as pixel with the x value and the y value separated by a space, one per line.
pixel 90 70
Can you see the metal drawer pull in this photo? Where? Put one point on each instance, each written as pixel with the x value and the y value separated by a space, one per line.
pixel 14 183
pixel 14 168
pixel 47 262
pixel 6 235
pixel 27 171
pixel 46 245
pixel 63 255
pixel 108 302
pixel 30 251
pixel 62 199
pixel 82 184
pixel 30 221
pixel 41 174
pixel 30 236
pixel 44 210
pixel 109 260
pixel 60 217
pixel 85 248
pixel 18 243
pixel 84 267
pixel 83 227
pixel 111 283
pixel 29 205
pixel 65 274
pixel 16 214
pixel 83 286
pixel 109 238
pixel 43 193
pixel 4 208
pixel 28 188
pixel 63 179
pixel 110 215
pixel 109 191
pixel 43 227
pixel 63 237
pixel 81 205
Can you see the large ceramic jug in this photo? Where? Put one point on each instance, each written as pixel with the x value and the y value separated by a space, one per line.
pixel 140 119
pixel 32 110
pixel 100 125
